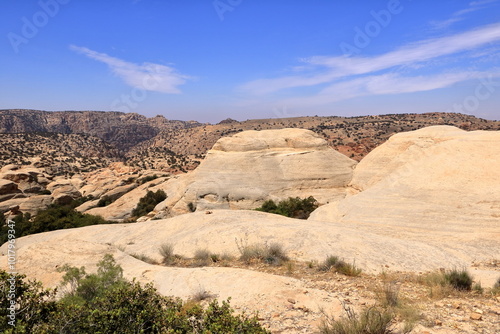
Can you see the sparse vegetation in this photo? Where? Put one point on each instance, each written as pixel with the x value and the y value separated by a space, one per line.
pixel 459 279
pixel 293 207
pixel 104 201
pixel 167 252
pixel 496 288
pixel 105 302
pixel 370 321
pixel 202 294
pixel 143 258
pixel 272 254
pixel 147 203
pixel 340 266
pixel 55 217
pixel 146 179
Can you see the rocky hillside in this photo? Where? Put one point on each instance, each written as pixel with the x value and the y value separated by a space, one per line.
pixel 123 130
pixel 353 136
pixel 180 146
pixel 59 154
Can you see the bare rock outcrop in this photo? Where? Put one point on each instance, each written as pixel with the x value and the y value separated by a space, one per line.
pixel 242 171
pixel 440 182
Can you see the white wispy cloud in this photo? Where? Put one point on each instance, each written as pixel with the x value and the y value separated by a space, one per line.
pixel 329 69
pixel 460 14
pixel 385 84
pixel 146 76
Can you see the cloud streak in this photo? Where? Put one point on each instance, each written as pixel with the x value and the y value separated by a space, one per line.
pixel 328 69
pixel 385 84
pixel 145 76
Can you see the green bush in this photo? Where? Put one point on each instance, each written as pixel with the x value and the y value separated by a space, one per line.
pixel 105 303
pixel 147 203
pixel 459 279
pixel 104 201
pixel 55 217
pixel 146 179
pixel 293 207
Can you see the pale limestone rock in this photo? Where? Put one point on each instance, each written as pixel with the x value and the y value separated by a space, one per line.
pixel 242 171
pixel 122 208
pixel 87 205
pixel 8 187
pixel 120 191
pixel 441 184
pixel 36 203
pixel 10 167
pixel 40 255
pixel 64 194
pixel 11 204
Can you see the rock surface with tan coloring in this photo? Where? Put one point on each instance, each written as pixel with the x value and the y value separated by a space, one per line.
pixel 244 170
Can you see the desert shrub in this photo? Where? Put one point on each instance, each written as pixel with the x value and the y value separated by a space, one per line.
pixel 203 257
pixel 106 303
pixel 167 252
pixel 272 254
pixel 55 217
pixel 143 258
pixel 191 207
pixel 391 295
pixel 459 279
pixel 146 179
pixel 370 321
pixel 496 287
pixel 202 294
pixel 87 287
pixel 104 201
pixel 293 207
pixel 340 266
pixel 34 304
pixel 147 203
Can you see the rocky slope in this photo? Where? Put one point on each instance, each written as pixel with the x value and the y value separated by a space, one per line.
pixel 352 136
pixel 122 130
pixel 58 154
pixel 243 171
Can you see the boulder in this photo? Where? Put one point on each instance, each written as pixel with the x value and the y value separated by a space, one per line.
pixel 8 187
pixel 434 181
pixel 242 171
pixel 34 204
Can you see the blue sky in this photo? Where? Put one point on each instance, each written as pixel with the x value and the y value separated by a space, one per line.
pixel 208 60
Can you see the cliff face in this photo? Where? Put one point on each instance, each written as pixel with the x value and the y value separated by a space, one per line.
pixel 119 129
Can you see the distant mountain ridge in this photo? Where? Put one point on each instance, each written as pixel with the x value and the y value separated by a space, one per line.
pixel 179 146
pixel 122 130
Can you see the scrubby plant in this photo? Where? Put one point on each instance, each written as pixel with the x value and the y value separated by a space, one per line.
pixel 272 254
pixel 55 217
pixel 496 287
pixel 146 179
pixel 391 295
pixel 143 258
pixel 293 207
pixel 340 266
pixel 147 203
pixel 104 201
pixel 106 303
pixel 459 279
pixel 370 321
pixel 167 252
